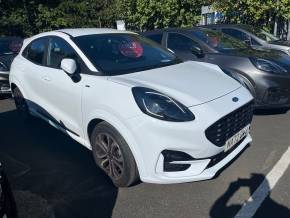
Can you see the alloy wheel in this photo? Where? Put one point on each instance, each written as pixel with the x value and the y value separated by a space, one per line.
pixel 110 155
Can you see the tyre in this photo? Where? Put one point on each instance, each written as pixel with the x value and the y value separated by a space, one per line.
pixel 21 105
pixel 113 155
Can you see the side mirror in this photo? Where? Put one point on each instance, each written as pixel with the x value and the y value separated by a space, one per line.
pixel 196 50
pixel 69 66
pixel 248 42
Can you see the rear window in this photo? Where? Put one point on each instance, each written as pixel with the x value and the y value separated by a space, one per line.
pixel 10 46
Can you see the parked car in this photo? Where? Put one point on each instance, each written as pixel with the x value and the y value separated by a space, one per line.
pixel 9 48
pixel 140 109
pixel 7 202
pixel 265 73
pixel 254 36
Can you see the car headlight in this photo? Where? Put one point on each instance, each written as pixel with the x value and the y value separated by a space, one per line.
pixel 3 67
pixel 161 106
pixel 268 66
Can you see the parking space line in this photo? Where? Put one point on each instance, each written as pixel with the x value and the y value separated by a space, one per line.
pixel 254 202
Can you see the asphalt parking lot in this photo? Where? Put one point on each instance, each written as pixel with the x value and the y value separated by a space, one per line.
pixel 53 176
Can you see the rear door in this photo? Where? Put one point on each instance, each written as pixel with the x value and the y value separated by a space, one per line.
pixel 32 71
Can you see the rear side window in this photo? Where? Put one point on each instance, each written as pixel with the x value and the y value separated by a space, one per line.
pixel 59 49
pixel 155 37
pixel 35 51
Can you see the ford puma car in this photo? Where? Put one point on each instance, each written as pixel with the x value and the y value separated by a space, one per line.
pixel 143 112
pixel 9 48
pixel 253 36
pixel 266 73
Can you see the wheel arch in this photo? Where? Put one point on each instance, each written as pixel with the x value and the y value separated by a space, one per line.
pixel 15 84
pixel 124 132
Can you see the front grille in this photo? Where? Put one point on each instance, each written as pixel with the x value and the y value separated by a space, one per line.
pixel 228 126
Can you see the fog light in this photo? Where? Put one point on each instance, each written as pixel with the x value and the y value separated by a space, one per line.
pixel 173 156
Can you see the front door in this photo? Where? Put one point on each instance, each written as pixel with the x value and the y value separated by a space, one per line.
pixel 63 92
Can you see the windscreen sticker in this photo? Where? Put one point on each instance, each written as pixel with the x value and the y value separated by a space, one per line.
pixel 132 49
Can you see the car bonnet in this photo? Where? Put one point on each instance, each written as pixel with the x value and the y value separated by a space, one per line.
pixel 191 83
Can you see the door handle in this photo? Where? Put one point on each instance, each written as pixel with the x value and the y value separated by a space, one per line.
pixel 46 78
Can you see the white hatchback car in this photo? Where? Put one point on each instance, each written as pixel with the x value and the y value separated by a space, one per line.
pixel 143 112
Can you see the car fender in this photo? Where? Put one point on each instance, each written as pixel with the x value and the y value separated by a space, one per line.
pixel 13 80
pixel 121 128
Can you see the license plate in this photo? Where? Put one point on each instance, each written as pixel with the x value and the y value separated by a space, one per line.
pixel 237 137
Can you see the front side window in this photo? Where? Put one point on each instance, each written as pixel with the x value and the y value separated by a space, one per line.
pixel 236 34
pixel 35 52
pixel 218 41
pixel 58 49
pixel 178 42
pixel 123 53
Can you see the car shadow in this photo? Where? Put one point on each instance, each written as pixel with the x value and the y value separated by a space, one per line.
pixel 5 96
pixel 263 112
pixel 269 207
pixel 51 175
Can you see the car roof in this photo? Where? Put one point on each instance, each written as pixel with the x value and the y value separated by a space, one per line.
pixel 89 31
pixel 242 26
pixel 172 29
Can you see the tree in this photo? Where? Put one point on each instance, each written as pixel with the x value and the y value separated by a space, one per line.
pixel 29 17
pixel 150 14
pixel 254 12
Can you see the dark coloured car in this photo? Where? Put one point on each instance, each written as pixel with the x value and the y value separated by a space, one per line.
pixel 254 36
pixel 7 203
pixel 266 73
pixel 9 48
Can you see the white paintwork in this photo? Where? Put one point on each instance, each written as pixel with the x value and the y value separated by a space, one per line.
pixel 202 87
pixel 89 31
pixel 69 66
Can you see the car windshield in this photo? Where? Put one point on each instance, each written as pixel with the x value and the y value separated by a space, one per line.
pixel 10 46
pixel 218 41
pixel 260 33
pixel 124 53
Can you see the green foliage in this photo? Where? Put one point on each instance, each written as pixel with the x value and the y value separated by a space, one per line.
pixel 254 12
pixel 28 17
pixel 151 14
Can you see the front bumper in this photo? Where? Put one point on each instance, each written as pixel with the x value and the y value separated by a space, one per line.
pixel 153 136
pixel 272 91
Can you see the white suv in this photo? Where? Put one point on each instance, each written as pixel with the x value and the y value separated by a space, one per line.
pixel 143 112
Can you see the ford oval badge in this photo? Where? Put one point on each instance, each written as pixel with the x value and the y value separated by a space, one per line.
pixel 235 99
